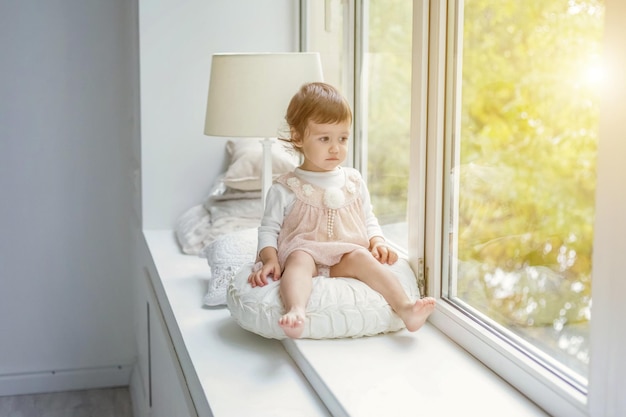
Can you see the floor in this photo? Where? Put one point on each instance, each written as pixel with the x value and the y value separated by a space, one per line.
pixel 110 402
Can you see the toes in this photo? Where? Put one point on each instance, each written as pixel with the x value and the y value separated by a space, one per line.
pixel 292 328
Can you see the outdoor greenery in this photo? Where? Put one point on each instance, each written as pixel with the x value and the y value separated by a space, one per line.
pixel 389 106
pixel 528 151
pixel 525 174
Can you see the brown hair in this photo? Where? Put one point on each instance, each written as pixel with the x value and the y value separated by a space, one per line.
pixel 317 102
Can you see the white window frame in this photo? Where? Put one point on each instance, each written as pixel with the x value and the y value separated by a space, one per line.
pixel 607 369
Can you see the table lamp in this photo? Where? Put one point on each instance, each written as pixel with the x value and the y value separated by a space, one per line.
pixel 249 94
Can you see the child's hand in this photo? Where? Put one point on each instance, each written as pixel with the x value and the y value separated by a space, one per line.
pixel 261 271
pixel 383 253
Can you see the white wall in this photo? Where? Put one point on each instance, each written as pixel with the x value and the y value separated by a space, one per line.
pixel 68 107
pixel 179 163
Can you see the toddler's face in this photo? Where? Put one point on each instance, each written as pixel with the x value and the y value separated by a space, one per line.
pixel 324 146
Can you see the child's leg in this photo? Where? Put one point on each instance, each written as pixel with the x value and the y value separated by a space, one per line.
pixel 360 264
pixel 296 285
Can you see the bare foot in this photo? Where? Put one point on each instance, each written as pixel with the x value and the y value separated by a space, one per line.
pixel 415 315
pixel 292 324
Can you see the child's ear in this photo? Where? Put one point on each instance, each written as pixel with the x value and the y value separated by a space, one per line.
pixel 296 139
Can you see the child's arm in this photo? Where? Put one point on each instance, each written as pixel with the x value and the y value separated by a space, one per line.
pixel 278 197
pixel 378 247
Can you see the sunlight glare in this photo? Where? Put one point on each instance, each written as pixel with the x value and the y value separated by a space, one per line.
pixel 595 73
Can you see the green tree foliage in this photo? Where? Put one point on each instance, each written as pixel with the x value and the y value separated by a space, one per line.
pixel 526 170
pixel 389 106
pixel 528 151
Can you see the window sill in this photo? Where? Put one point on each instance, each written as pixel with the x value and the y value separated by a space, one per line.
pixel 400 373
pixel 396 374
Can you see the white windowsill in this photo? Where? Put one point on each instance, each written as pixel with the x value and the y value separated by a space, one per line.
pixel 239 373
pixel 403 374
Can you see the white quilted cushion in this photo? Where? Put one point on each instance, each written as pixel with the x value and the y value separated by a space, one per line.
pixel 338 307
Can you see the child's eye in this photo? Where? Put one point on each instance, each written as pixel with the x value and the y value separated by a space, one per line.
pixel 343 140
pixel 324 139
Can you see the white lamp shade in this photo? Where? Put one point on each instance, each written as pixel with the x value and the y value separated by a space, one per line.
pixel 249 93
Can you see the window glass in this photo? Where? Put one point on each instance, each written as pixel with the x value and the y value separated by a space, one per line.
pixel 386 108
pixel 521 146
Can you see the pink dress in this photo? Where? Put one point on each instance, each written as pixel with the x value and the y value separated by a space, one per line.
pixel 326 223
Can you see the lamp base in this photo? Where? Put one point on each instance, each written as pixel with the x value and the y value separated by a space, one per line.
pixel 266 171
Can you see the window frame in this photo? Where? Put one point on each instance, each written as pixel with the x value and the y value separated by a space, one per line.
pixel 549 391
pixel 431 40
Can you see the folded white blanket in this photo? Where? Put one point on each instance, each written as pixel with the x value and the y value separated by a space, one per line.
pixel 202 224
pixel 192 230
